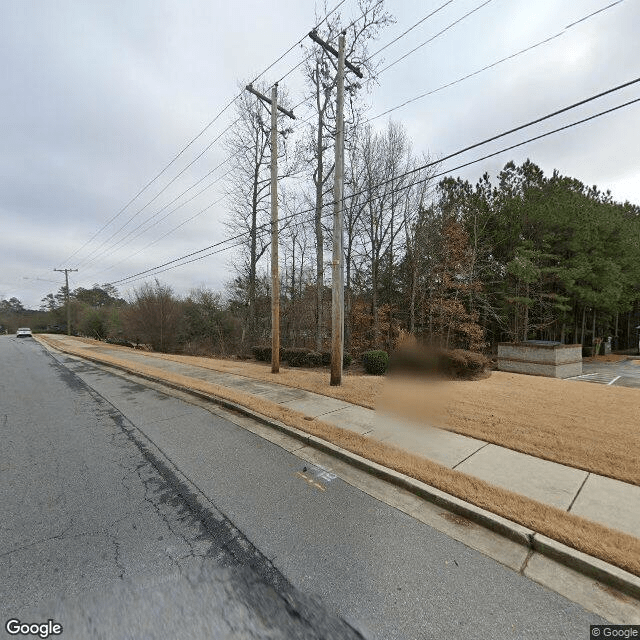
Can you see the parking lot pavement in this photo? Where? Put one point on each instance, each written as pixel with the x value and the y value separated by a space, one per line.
pixel 615 374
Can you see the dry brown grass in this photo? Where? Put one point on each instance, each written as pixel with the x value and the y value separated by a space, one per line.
pixel 589 537
pixel 580 424
pixel 583 425
pixel 356 388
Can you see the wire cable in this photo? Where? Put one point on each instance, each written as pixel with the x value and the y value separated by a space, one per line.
pixel 411 28
pixel 436 162
pixel 132 279
pixel 121 243
pixel 437 35
pixel 494 64
pixel 193 140
pixel 613 4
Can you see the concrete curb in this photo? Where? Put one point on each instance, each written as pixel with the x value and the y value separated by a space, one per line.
pixel 589 566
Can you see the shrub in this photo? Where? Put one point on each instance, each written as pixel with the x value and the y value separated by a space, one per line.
pixel 375 362
pixel 314 359
pixel 346 359
pixel 462 364
pixel 261 353
pixel 295 357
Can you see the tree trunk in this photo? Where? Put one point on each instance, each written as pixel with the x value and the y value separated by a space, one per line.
pixel 412 301
pixel 525 323
pixel 374 303
pixel 253 257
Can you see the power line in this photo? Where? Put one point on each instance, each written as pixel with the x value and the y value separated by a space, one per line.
pixel 332 39
pixel 110 250
pixel 299 42
pixel 613 4
pixel 196 137
pixel 466 77
pixel 411 28
pixel 178 226
pixel 141 209
pixel 132 279
pixel 619 87
pixel 436 162
pixel 475 72
pixel 437 35
pixel 493 64
pixel 509 148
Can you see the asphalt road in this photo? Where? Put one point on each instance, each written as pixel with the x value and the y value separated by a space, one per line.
pixel 103 535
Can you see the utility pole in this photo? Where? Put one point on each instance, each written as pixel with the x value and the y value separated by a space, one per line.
pixel 337 263
pixel 66 277
pixel 275 270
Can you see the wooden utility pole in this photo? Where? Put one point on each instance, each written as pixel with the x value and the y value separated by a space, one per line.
pixel 66 278
pixel 275 270
pixel 337 263
pixel 337 266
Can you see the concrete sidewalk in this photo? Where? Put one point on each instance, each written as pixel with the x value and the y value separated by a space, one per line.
pixel 611 502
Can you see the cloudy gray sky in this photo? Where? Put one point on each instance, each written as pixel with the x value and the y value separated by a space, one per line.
pixel 98 96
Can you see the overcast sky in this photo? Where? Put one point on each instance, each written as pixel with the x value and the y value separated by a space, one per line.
pixel 98 96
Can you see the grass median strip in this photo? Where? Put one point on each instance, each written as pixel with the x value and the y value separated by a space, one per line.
pixel 559 420
pixel 579 533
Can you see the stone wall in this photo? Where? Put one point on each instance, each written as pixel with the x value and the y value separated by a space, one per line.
pixel 541 359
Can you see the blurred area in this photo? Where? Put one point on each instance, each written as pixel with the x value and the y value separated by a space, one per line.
pixel 418 384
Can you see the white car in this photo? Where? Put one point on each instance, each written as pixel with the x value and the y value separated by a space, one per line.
pixel 23 332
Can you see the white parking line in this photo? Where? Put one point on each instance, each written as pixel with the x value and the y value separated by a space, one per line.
pixel 616 378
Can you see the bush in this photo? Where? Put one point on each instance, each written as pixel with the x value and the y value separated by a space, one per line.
pixel 295 357
pixel 375 362
pixel 346 359
pixel 463 364
pixel 314 359
pixel 261 353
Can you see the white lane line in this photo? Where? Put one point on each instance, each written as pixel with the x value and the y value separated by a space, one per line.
pixel 616 378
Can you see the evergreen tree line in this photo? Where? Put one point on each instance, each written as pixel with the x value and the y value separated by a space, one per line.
pixel 525 256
